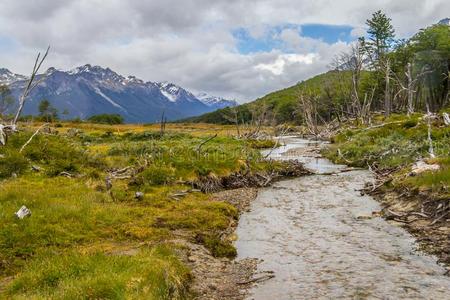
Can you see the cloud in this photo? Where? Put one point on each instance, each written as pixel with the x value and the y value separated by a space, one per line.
pixel 191 42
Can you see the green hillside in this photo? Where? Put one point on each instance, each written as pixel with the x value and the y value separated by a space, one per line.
pixel 330 90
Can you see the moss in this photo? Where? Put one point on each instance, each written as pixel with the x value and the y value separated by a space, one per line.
pixel 217 246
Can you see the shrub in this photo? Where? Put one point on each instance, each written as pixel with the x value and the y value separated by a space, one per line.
pixel 158 175
pixel 111 119
pixel 12 162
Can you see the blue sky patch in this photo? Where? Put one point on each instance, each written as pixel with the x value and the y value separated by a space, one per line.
pixel 7 44
pixel 330 34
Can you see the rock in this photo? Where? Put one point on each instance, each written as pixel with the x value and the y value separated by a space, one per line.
pixel 421 166
pixel 446 119
pixel 23 212
pixel 139 196
pixel 35 168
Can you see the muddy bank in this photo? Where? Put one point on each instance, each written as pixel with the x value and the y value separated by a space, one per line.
pixel 414 214
pixel 222 278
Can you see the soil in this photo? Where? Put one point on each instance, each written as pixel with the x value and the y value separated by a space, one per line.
pixel 222 278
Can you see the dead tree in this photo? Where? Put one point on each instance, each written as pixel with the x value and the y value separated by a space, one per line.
pixel 31 84
pixel 234 119
pixel 387 89
pixel 410 87
pixel 163 124
pixel 308 108
pixel 354 61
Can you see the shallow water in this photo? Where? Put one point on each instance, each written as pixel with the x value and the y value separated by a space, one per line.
pixel 313 232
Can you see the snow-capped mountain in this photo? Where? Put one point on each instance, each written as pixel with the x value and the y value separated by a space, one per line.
pixel 445 21
pixel 89 90
pixel 7 77
pixel 216 102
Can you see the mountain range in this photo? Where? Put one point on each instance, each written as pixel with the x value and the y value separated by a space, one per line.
pixel 90 90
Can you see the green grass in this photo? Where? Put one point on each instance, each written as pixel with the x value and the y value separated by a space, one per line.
pixel 70 246
pixel 399 144
pixel 150 274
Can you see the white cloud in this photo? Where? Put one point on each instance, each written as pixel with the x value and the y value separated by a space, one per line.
pixel 278 66
pixel 190 42
pixel 358 32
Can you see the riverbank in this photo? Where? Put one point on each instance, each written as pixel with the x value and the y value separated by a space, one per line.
pixel 413 187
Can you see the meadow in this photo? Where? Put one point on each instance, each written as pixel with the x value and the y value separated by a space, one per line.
pixel 109 205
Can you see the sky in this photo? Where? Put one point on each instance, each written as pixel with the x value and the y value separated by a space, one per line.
pixel 238 49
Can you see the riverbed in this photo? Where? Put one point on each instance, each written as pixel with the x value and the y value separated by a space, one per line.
pixel 321 239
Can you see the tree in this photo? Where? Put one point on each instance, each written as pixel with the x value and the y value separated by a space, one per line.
pixel 47 111
pixel 381 34
pixel 381 37
pixel 6 100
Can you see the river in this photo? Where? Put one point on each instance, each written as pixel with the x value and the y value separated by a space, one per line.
pixel 318 237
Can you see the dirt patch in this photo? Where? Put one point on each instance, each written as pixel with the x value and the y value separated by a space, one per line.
pixel 218 278
pixel 239 198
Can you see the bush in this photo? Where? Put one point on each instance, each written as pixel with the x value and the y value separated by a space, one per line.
pixel 12 162
pixel 158 175
pixel 111 119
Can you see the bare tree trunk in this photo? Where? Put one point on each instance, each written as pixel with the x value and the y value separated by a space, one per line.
pixel 32 83
pixel 410 90
pixel 387 94
pixel 430 141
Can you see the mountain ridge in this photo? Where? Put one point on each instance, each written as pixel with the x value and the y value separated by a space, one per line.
pixel 89 89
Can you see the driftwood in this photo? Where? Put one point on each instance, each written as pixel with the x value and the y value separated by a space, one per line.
pixel 257 279
pixel 199 147
pixel 31 138
pixel 446 119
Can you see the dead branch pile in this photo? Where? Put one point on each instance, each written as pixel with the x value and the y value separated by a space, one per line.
pixel 212 183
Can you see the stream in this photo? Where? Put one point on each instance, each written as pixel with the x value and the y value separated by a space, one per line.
pixel 318 237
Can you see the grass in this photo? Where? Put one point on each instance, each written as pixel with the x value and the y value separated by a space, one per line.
pixel 150 274
pixel 398 144
pixel 73 244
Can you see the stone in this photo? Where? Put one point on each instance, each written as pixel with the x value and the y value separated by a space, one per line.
pixel 23 212
pixel 139 196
